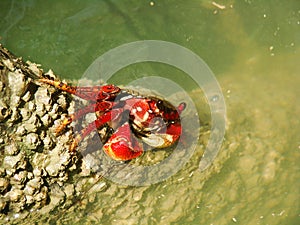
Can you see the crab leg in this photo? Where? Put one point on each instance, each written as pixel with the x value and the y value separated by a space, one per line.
pixel 94 93
pixel 123 145
pixel 100 121
pixel 96 107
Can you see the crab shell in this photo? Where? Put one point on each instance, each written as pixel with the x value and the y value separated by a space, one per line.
pixel 122 145
pixel 151 121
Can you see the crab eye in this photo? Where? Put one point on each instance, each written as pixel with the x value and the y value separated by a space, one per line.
pixel 181 107
pixel 160 105
pixel 110 88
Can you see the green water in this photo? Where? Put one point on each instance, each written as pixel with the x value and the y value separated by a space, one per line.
pixel 253 49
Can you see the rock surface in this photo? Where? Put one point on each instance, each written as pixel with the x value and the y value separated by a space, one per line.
pixel 35 163
pixel 41 181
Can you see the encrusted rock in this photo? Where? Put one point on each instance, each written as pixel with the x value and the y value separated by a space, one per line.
pixel 29 199
pixel 26 96
pixel 11 149
pixel 30 106
pixel 15 195
pixel 35 68
pixel 19 206
pixel 2 172
pixel 69 190
pixel 19 178
pixel 40 109
pixel 58 196
pixel 48 142
pixel 29 175
pixel 35 163
pixel 33 123
pixel 46 120
pixel 41 197
pixel 14 116
pixel 37 172
pixel 39 160
pixel 17 83
pixel 42 96
pixel 4 184
pixel 32 141
pixel 4 110
pixel 3 203
pixel 21 130
pixel 62 101
pixel 15 162
pixel 25 113
pixel 9 64
pixel 33 185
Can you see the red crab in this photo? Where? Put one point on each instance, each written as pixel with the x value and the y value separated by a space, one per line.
pixel 133 120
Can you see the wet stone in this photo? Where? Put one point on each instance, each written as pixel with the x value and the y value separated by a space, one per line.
pixel 4 184
pixel 48 142
pixel 15 162
pixel 46 120
pixel 30 106
pixel 29 199
pixel 29 179
pixel 25 113
pixel 69 190
pixel 17 83
pixel 3 204
pixel 19 178
pixel 42 96
pixel 40 109
pixel 62 101
pixel 11 149
pixel 57 195
pixel 21 130
pixel 4 111
pixel 32 141
pixel 2 172
pixel 15 195
pixel 14 116
pixel 33 185
pixel 53 113
pixel 26 96
pixel 35 68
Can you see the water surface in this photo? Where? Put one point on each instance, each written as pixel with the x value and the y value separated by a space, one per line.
pixel 253 49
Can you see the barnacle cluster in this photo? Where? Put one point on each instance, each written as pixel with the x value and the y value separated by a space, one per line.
pixel 35 163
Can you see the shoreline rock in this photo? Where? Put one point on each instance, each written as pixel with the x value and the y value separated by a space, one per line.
pixel 35 164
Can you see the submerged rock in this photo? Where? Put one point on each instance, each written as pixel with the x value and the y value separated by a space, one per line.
pixel 33 157
pixel 40 180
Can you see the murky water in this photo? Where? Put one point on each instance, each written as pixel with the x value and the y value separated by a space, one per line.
pixel 253 49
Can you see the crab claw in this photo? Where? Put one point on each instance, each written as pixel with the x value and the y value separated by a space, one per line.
pixel 123 145
pixel 164 139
